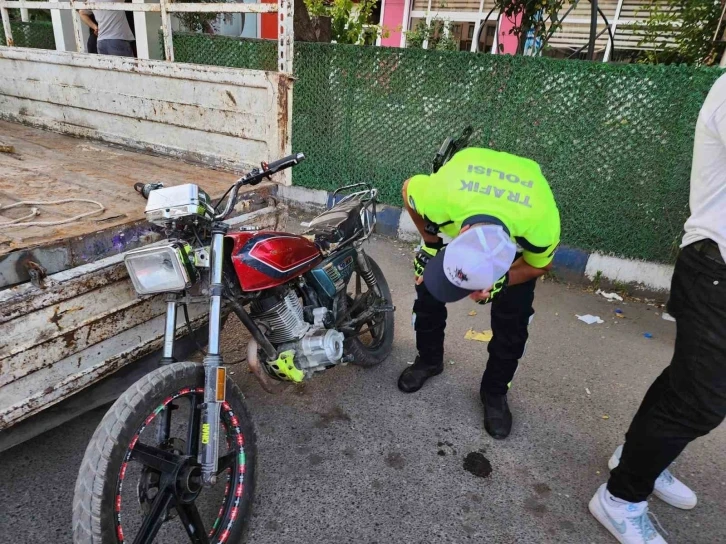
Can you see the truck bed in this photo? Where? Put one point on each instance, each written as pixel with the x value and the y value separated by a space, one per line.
pixel 47 166
pixel 80 323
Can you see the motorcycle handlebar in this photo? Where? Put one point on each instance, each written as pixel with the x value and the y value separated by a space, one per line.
pixel 256 176
pixel 285 162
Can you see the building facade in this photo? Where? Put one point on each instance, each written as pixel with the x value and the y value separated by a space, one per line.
pixel 469 16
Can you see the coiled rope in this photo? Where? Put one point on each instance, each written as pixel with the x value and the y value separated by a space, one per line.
pixel 20 222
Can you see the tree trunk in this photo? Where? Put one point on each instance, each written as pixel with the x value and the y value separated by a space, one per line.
pixel 307 29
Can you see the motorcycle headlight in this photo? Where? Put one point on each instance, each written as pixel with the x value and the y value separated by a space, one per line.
pixel 160 269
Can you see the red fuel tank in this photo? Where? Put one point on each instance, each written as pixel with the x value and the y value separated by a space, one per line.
pixel 268 259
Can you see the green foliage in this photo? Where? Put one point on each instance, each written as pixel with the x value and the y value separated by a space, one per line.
pixel 349 22
pixel 692 23
pixel 540 18
pixel 200 22
pixel 439 34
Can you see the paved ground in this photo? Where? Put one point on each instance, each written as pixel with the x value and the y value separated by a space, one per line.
pixel 348 458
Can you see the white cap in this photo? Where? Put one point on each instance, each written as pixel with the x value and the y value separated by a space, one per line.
pixel 473 261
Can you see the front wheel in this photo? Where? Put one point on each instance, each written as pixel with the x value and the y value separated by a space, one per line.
pixel 140 480
pixel 373 339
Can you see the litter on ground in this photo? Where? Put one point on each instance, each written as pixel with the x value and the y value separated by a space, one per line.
pixel 609 296
pixel 647 335
pixel 472 313
pixel 668 317
pixel 483 336
pixel 589 319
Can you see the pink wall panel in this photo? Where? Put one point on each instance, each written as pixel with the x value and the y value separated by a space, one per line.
pixel 392 22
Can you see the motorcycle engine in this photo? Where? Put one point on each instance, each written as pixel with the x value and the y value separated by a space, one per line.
pixel 281 318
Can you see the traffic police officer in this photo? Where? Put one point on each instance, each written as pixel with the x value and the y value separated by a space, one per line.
pixel 500 211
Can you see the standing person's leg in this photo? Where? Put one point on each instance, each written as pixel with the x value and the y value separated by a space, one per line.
pixel 511 314
pixel 429 323
pixel 688 399
pixel 92 44
pixel 118 48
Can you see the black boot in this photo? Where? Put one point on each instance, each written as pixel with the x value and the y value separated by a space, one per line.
pixel 497 417
pixel 413 378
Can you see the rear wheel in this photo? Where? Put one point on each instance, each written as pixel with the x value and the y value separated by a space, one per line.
pixel 373 339
pixel 140 480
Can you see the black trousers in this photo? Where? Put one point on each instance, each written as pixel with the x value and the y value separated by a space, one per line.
pixel 688 399
pixel 511 313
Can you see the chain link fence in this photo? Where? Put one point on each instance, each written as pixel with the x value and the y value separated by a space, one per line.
pixel 35 34
pixel 614 140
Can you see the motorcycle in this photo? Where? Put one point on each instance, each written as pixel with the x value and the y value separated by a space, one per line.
pixel 180 442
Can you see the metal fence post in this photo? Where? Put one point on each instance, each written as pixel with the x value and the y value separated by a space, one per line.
pixel 285 57
pixel 166 31
pixel 142 34
pixel 477 25
pixel 593 30
pixel 614 29
pixel 285 44
pixel 6 26
pixel 407 5
pixel 425 44
pixel 77 30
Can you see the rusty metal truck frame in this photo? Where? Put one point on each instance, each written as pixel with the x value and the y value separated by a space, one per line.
pixel 97 326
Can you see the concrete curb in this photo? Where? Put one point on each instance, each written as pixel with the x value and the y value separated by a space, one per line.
pixel 571 264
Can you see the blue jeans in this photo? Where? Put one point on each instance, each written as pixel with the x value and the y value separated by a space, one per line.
pixel 118 48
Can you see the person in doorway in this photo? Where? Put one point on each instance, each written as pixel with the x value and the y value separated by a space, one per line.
pixel 688 399
pixel 92 43
pixel 490 202
pixel 112 30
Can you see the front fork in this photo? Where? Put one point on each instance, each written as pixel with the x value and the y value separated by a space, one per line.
pixel 215 375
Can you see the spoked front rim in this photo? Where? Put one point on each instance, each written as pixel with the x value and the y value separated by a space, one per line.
pixel 177 475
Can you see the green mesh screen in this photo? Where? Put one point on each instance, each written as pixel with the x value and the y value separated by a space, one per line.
pixel 224 51
pixel 615 141
pixel 36 34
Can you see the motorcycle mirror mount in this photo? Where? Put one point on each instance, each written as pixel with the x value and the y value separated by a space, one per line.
pixel 145 188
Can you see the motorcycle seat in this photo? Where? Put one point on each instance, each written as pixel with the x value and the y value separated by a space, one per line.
pixel 337 224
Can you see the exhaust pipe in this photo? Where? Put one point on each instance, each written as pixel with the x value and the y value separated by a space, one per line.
pixel 268 383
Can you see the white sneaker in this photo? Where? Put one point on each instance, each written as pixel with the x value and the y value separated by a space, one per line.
pixel 627 521
pixel 667 488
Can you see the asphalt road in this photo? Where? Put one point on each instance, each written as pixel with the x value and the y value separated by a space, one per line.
pixel 347 458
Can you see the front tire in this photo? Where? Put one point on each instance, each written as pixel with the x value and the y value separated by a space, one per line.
pixel 100 514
